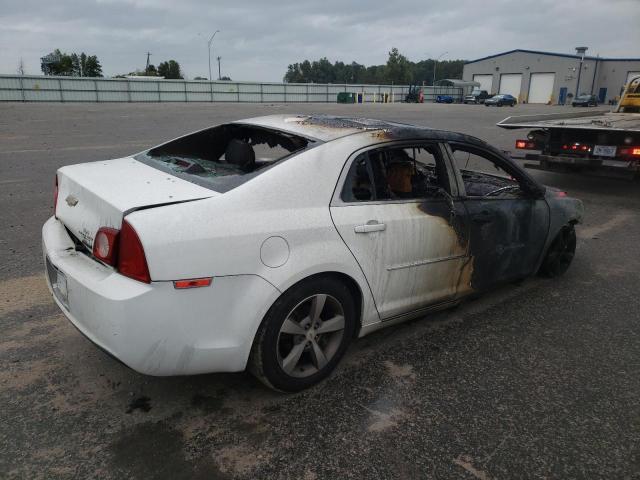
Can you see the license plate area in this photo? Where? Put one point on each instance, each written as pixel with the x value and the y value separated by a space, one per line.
pixel 58 282
pixel 604 150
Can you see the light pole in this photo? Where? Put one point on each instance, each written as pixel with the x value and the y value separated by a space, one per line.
pixel 435 62
pixel 209 43
pixel 580 51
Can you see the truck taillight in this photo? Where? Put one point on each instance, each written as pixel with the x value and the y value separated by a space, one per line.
pixel 105 245
pixel 55 196
pixel 576 147
pixel 132 261
pixel 629 152
pixel 525 145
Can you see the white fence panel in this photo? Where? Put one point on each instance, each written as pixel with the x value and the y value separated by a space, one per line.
pixel 105 96
pixel 199 96
pixel 39 88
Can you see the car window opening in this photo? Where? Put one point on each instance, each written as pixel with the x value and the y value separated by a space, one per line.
pixel 416 172
pixel 483 177
pixel 226 156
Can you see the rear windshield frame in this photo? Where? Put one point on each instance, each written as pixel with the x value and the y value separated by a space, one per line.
pixel 225 183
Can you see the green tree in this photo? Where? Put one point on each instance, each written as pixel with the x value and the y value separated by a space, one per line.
pixel 398 69
pixel 92 67
pixel 151 70
pixel 59 63
pixel 169 69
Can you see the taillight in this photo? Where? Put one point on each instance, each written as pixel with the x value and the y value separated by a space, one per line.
pixel 55 196
pixel 131 258
pixel 576 147
pixel 629 152
pixel 525 145
pixel 105 245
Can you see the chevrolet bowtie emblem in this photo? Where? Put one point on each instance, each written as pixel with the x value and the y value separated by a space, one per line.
pixel 71 201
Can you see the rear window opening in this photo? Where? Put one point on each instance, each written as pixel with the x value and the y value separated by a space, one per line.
pixel 223 157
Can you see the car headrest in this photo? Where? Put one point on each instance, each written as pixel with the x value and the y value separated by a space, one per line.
pixel 399 177
pixel 240 153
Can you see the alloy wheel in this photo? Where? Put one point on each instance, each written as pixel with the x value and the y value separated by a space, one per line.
pixel 310 335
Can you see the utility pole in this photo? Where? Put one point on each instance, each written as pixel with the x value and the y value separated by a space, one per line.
pixel 147 67
pixel 595 70
pixel 580 51
pixel 435 62
pixel 219 75
pixel 209 43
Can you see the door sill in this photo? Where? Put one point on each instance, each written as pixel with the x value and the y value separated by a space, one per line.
pixel 401 317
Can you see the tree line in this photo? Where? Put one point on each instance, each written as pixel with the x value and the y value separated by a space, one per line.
pixel 83 65
pixel 398 70
pixel 70 65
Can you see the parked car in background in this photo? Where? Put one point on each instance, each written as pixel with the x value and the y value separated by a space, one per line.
pixel 585 101
pixel 214 252
pixel 444 99
pixel 500 100
pixel 477 96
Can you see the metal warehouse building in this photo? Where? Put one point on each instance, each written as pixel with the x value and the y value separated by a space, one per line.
pixel 544 77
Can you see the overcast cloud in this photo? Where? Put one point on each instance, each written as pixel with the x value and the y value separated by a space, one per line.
pixel 258 39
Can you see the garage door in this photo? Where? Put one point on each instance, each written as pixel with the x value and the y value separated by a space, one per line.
pixel 631 74
pixel 541 87
pixel 510 83
pixel 485 81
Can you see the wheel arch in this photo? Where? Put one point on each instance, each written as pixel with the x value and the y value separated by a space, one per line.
pixel 354 288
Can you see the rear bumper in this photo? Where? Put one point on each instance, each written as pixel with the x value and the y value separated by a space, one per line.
pixel 154 328
pixel 552 163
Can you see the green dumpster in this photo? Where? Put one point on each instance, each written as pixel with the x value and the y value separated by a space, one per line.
pixel 346 97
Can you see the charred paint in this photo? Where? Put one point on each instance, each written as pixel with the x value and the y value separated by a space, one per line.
pixel 453 215
pixel 506 238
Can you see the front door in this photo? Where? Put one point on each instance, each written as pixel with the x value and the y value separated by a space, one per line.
pixel 508 223
pixel 602 95
pixel 562 98
pixel 397 217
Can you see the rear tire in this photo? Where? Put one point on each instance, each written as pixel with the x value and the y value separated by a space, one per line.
pixel 560 253
pixel 304 335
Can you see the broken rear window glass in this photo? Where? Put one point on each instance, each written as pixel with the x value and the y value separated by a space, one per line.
pixel 223 157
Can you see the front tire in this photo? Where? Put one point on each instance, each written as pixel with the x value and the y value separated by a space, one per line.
pixel 304 335
pixel 560 253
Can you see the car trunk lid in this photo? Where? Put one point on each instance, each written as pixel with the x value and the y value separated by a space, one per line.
pixel 100 194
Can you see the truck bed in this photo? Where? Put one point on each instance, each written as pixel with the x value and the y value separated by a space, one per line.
pixel 592 120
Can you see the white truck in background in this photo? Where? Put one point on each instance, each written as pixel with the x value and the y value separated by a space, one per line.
pixel 601 143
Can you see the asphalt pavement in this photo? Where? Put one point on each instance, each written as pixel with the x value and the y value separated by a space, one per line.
pixel 539 379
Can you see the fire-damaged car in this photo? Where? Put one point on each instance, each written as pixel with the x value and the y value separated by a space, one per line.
pixel 271 243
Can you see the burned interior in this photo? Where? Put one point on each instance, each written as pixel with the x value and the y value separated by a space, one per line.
pixel 225 156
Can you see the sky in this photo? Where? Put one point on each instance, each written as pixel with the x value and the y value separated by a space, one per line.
pixel 258 38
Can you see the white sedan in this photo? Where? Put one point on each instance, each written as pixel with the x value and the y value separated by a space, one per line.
pixel 271 243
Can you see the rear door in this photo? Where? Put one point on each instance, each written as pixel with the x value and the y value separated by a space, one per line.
pixel 508 220
pixel 402 229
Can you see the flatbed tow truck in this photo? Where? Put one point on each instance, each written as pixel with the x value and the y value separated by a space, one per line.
pixel 599 143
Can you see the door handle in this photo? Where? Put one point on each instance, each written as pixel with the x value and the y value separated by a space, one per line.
pixel 370 226
pixel 482 217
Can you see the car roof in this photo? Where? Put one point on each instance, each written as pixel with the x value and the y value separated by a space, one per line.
pixel 331 127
